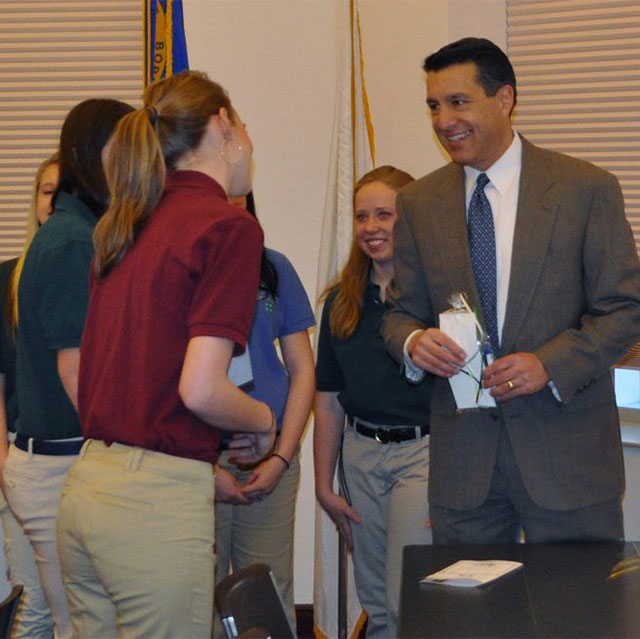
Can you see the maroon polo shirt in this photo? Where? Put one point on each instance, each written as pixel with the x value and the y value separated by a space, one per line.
pixel 193 270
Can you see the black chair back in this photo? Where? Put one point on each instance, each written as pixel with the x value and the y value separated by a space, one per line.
pixel 250 605
pixel 8 609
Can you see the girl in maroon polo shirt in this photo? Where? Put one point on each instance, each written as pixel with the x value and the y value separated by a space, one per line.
pixel 172 296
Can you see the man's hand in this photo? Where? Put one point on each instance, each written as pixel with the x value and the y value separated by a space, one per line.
pixel 435 352
pixel 514 375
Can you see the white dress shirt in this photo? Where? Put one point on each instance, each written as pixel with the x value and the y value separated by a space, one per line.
pixel 502 192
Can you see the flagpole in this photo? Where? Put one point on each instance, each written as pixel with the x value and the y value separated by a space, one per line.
pixel 342 588
pixel 352 155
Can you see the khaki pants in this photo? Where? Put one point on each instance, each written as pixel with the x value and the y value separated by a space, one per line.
pixel 33 618
pixel 33 485
pixel 387 486
pixel 135 533
pixel 260 532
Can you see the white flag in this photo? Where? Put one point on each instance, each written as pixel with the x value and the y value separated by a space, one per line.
pixel 352 155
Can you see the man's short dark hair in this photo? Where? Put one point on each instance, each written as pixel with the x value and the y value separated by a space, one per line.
pixel 494 67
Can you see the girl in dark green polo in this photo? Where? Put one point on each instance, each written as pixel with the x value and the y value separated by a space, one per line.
pixel 53 295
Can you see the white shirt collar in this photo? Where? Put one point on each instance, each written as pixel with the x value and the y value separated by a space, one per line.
pixel 502 172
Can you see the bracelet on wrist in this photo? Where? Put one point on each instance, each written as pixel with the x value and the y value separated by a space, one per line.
pixel 284 459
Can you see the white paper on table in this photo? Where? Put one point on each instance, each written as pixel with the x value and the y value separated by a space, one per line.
pixel 240 371
pixel 460 326
pixel 469 573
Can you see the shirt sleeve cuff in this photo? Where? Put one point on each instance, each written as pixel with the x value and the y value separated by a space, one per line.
pixel 554 390
pixel 412 372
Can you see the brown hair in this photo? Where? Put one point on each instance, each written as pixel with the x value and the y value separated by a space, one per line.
pixel 11 303
pixel 85 132
pixel 145 144
pixel 346 309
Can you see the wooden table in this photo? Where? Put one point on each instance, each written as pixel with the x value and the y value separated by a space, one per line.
pixel 562 591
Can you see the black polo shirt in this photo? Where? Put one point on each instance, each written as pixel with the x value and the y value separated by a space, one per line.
pixel 369 382
pixel 53 296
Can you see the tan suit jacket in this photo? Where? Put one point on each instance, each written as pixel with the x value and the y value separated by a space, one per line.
pixel 574 300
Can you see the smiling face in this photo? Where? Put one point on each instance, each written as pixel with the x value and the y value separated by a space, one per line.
pixel 474 128
pixel 375 216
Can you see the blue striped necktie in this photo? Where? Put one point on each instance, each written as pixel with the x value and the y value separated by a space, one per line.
pixel 482 245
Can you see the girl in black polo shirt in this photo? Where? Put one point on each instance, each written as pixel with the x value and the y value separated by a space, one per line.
pixel 384 448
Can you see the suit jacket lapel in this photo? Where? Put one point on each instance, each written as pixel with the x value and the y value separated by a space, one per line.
pixel 537 210
pixel 450 230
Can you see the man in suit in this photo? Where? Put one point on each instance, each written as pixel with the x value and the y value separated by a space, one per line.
pixel 560 304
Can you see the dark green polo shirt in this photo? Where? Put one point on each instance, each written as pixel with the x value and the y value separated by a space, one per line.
pixel 369 382
pixel 53 296
pixel 8 346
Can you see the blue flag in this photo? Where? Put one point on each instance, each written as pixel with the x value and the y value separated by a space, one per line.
pixel 165 51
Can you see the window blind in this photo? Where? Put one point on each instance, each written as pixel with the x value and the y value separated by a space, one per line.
pixel 578 68
pixel 52 56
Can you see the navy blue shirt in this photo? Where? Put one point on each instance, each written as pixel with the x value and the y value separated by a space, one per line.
pixel 369 383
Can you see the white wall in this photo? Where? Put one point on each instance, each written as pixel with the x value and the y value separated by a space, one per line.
pixel 278 60
pixel 478 18
pixel 396 38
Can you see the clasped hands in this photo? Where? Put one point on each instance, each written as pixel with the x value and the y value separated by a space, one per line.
pixel 263 478
pixel 248 448
pixel 507 377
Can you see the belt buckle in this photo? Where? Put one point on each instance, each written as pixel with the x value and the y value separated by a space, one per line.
pixel 382 435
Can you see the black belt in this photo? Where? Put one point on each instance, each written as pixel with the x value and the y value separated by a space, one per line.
pixel 388 434
pixel 48 446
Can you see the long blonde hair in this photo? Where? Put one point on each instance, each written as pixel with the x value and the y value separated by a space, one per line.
pixel 145 144
pixel 11 303
pixel 346 309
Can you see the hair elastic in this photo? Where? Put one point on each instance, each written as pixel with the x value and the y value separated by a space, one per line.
pixel 153 115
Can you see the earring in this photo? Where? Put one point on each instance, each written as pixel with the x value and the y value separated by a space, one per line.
pixel 228 157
